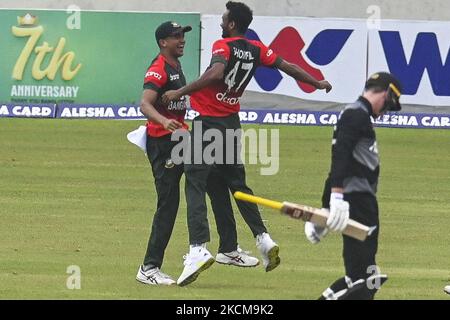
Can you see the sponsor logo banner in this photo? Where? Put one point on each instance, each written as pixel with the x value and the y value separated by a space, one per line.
pixel 274 117
pixel 27 111
pixel 346 52
pixel 418 54
pixel 327 118
pixel 98 112
pixel 332 49
pixel 78 57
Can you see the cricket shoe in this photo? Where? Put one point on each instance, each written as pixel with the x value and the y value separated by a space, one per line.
pixel 154 276
pixel 239 258
pixel 269 250
pixel 199 259
pixel 447 289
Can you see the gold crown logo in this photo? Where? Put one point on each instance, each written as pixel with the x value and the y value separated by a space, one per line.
pixel 27 20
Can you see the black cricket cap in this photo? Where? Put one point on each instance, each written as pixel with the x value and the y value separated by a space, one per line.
pixel 388 82
pixel 170 28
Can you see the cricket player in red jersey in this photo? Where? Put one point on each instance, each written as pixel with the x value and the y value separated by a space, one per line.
pixel 215 95
pixel 164 74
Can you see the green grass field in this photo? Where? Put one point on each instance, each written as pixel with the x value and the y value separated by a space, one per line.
pixel 76 192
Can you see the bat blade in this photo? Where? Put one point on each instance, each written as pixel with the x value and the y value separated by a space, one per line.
pixel 317 216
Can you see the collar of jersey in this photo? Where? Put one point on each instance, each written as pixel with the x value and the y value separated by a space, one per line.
pixel 366 104
pixel 176 66
pixel 235 38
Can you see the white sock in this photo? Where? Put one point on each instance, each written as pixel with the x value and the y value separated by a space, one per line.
pixel 197 246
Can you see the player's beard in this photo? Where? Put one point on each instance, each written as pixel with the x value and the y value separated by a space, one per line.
pixel 225 33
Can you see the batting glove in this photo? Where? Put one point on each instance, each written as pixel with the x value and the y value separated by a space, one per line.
pixel 314 233
pixel 339 212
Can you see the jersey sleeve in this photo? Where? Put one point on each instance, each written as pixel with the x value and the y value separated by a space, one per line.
pixel 267 56
pixel 155 78
pixel 220 52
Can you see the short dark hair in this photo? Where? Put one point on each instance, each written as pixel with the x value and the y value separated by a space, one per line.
pixel 240 14
pixel 374 88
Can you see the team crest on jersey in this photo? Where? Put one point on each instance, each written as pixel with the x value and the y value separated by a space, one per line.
pixel 169 164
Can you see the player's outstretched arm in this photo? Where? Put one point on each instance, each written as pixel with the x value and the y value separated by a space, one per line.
pixel 210 76
pixel 299 74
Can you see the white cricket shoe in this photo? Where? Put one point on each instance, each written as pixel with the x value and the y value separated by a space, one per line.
pixel 237 258
pixel 199 259
pixel 269 250
pixel 447 289
pixel 154 276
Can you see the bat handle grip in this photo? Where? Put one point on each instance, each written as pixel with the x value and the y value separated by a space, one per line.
pixel 258 200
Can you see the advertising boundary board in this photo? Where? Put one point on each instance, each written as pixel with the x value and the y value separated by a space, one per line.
pixel 248 116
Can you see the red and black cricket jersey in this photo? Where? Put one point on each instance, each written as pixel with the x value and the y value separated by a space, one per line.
pixel 241 58
pixel 162 76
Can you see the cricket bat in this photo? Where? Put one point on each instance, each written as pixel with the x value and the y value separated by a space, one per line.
pixel 317 216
